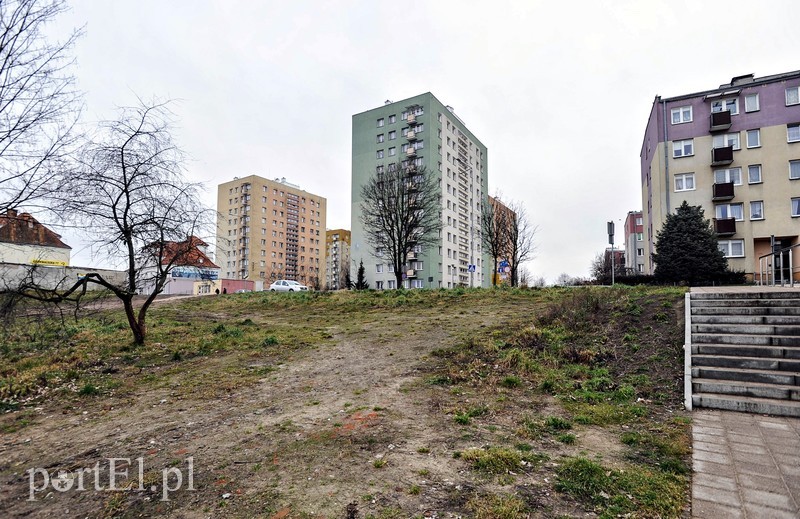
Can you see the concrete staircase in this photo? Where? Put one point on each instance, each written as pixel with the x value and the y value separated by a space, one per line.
pixel 745 351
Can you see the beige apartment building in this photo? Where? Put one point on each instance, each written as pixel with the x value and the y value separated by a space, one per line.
pixel 337 258
pixel 735 151
pixel 268 230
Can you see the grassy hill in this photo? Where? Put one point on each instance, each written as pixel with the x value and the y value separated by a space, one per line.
pixel 472 403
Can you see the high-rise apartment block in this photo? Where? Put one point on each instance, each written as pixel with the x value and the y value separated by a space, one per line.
pixel 634 243
pixel 337 258
pixel 423 132
pixel 270 229
pixel 735 151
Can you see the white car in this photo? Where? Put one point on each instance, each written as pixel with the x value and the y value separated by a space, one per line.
pixel 286 285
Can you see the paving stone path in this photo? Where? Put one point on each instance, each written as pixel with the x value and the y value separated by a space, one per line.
pixel 745 466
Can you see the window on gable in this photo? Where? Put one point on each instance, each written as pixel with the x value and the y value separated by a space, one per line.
pixel 757 210
pixel 754 138
pixel 683 148
pixel 751 103
pixel 380 122
pixel 723 176
pixel 732 248
pixel 754 174
pixel 725 211
pixel 681 115
pixel 792 96
pixel 726 139
pixel 794 169
pixel 793 132
pixel 684 182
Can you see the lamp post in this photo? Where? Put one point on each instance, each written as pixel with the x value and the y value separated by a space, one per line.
pixel 611 242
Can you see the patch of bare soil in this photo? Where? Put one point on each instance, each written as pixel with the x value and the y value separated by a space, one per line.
pixel 352 428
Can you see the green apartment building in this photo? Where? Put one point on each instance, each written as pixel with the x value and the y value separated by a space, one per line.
pixel 421 131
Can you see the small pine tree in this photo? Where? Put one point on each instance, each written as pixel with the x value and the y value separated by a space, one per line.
pixel 361 279
pixel 687 249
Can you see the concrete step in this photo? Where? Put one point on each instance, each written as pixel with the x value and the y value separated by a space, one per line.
pixel 793 293
pixel 783 378
pixel 753 389
pixel 699 303
pixel 760 363
pixel 746 350
pixel 751 340
pixel 747 329
pixel 746 319
pixel 746 310
pixel 746 404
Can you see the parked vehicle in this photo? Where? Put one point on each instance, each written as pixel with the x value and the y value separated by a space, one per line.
pixel 287 285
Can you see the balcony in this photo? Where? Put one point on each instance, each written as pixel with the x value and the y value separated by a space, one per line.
pixel 411 119
pixel 412 255
pixel 725 226
pixel 722 156
pixel 722 191
pixel 411 273
pixel 720 121
pixel 411 152
pixel 411 136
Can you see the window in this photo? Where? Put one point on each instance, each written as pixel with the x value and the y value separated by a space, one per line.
pixel 379 169
pixel 682 115
pixel 380 122
pixel 379 268
pixel 392 151
pixel 392 135
pixel 794 169
pixel 726 104
pixel 392 119
pixel 418 283
pixel 793 132
pixel 751 103
pixel 754 138
pixel 640 252
pixel 380 137
pixel 379 154
pixel 390 284
pixel 735 211
pixel 754 174
pixel 732 248
pixel 795 206
pixel 757 210
pixel 639 236
pixel 638 220
pixel 792 96
pixel 640 268
pixel 684 182
pixel 723 176
pixel 683 148
pixel 379 285
pixel 726 139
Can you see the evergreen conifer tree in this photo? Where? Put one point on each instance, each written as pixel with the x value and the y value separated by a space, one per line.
pixel 687 249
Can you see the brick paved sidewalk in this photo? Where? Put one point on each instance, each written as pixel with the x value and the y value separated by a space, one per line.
pixel 745 466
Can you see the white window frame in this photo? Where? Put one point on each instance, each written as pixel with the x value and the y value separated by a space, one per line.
pixel 379 154
pixel 684 114
pixel 639 252
pixel 380 138
pixel 754 106
pixel 793 96
pixel 679 148
pixel 750 168
pixel 726 246
pixel 729 211
pixel 796 132
pixel 392 135
pixel 392 151
pixel 728 139
pixel 681 180
pixel 721 105
pixel 379 268
pixel 639 236
pixel 795 207
pixel 728 176
pixel 794 173
pixel 380 122
pixel 757 133
pixel 757 203
pixel 393 119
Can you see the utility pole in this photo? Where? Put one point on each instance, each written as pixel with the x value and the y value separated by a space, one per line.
pixel 611 242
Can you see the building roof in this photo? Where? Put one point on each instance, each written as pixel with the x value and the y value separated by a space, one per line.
pixel 189 252
pixel 24 229
pixel 736 83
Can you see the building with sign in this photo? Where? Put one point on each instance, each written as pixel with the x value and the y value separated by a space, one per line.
pixel 25 241
pixel 191 271
pixel 735 151
pixel 415 133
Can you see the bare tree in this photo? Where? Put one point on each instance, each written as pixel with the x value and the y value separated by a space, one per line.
pixel 495 223
pixel 130 193
pixel 521 244
pixel 400 209
pixel 601 266
pixel 39 105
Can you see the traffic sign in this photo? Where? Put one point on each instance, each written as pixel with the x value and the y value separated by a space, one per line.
pixel 471 268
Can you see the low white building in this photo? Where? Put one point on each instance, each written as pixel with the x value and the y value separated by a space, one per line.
pixel 25 241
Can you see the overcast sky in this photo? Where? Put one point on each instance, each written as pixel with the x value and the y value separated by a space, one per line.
pixel 559 91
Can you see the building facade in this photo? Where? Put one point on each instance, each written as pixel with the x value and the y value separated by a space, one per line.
pixel 268 230
pixel 423 132
pixel 634 242
pixel 504 217
pixel 735 151
pixel 337 258
pixel 25 241
pixel 191 271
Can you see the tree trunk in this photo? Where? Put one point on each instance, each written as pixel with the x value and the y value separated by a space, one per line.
pixel 137 326
pixel 494 273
